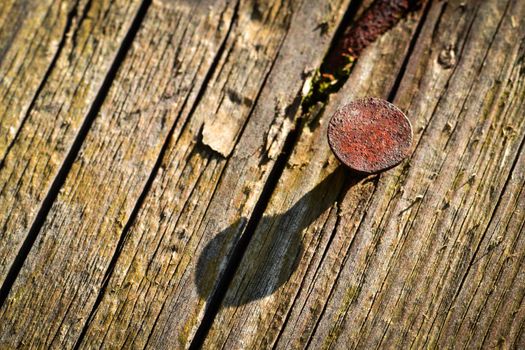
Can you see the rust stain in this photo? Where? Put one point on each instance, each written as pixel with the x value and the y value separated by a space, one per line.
pixel 375 21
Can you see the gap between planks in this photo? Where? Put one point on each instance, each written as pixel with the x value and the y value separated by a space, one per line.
pixel 117 253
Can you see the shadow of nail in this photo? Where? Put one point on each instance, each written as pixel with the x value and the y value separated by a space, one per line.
pixel 278 239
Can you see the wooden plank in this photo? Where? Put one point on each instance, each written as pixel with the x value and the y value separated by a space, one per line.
pixel 429 254
pixel 155 88
pixel 489 309
pixel 400 258
pixel 45 103
pixel 152 299
pixel 285 254
pixel 30 36
pixel 264 36
pixel 427 237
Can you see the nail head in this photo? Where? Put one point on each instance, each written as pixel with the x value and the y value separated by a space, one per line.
pixel 370 135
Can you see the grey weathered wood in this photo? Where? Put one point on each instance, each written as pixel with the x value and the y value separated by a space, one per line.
pixel 287 253
pixel 419 256
pixel 488 310
pixel 428 254
pixel 152 295
pixel 155 87
pixel 102 187
pixel 84 50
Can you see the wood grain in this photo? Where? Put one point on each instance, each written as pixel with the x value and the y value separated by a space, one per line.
pixel 288 250
pixel 50 100
pixel 178 195
pixel 157 295
pixel 402 260
pixel 30 36
pixel 155 88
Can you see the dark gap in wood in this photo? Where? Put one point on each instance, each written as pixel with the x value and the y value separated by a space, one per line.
pixel 69 23
pixel 377 19
pixel 83 16
pixel 151 177
pixel 254 103
pixel 347 20
pixel 207 78
pixel 349 182
pixel 411 46
pixel 16 28
pixel 68 161
pixel 391 96
pixel 215 301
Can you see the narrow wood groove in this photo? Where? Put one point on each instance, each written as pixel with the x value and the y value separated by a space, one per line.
pixel 10 42
pixel 410 50
pixel 237 254
pixel 82 17
pixel 276 172
pixel 65 167
pixel 179 194
pixel 68 26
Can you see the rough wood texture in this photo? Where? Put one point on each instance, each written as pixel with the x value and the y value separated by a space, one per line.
pixel 288 250
pixel 200 159
pixel 157 294
pixel 65 269
pixel 402 259
pixel 30 36
pixel 50 100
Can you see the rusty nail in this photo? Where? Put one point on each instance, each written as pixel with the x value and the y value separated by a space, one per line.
pixel 370 135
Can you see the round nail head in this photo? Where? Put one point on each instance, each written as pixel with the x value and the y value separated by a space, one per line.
pixel 370 135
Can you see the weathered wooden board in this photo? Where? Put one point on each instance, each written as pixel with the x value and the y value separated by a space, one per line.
pixel 182 165
pixel 50 78
pixel 488 310
pixel 156 293
pixel 289 245
pixel 110 163
pixel 415 256
pixel 30 37
pixel 155 88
